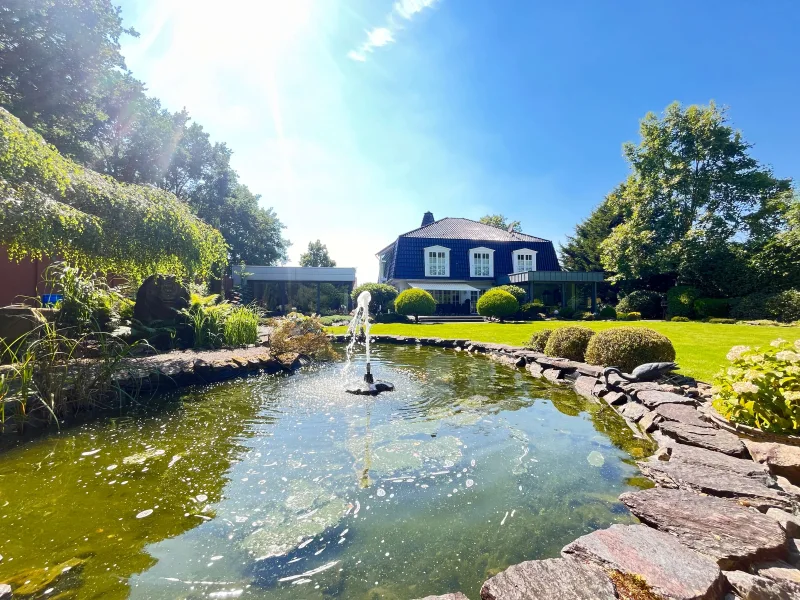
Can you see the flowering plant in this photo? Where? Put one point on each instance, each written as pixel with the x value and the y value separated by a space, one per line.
pixel 761 387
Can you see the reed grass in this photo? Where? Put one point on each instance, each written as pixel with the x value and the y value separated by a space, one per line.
pixel 241 326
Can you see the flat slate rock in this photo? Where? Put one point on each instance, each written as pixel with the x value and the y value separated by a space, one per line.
pixel 755 587
pixel 670 569
pixel 782 459
pixel 456 596
pixel 703 437
pixel 732 535
pixel 789 522
pixel 584 385
pixel 633 411
pixel 682 413
pixel 615 398
pixel 562 578
pixel 747 491
pixel 707 458
pixel 554 375
pixel 653 398
pixel 778 570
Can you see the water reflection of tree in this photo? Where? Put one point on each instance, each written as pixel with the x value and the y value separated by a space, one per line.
pixel 83 515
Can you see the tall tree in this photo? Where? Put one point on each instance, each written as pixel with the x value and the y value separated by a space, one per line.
pixel 317 256
pixel 693 184
pixel 501 222
pixel 55 56
pixel 582 251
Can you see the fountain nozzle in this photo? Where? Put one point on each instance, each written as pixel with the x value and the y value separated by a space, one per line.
pixel 368 378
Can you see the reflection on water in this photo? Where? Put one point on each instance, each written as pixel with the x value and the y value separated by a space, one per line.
pixel 278 487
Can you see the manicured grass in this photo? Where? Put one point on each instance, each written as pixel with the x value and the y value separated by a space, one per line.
pixel 700 347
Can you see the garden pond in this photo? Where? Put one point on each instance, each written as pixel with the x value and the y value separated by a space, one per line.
pixel 287 487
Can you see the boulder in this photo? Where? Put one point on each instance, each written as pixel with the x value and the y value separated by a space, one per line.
pixel 787 487
pixel 755 587
pixel 535 369
pixel 633 411
pixel 18 320
pixel 732 535
pixel 649 421
pixel 615 398
pixel 682 413
pixel 671 570
pixel 656 397
pixel 789 522
pixel 782 459
pixel 704 437
pixel 748 491
pixel 159 298
pixel 554 375
pixel 584 385
pixel 562 578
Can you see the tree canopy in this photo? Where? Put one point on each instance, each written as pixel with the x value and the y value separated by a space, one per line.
pixel 317 256
pixel 501 222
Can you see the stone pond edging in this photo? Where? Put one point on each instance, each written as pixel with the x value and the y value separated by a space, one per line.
pixel 722 521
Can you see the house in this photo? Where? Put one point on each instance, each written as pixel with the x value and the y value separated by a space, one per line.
pixel 457 260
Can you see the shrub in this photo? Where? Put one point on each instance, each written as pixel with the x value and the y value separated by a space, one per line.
pixel 784 306
pixel 680 301
pixel 587 316
pixel 539 339
pixel 497 303
pixel 415 302
pixel 761 388
pixel 532 310
pixel 633 316
pixel 680 319
pixel 706 308
pixel 569 342
pixel 296 333
pixel 646 302
pixel 390 318
pixel 383 295
pixel 514 290
pixel 125 308
pixel 607 313
pixel 241 326
pixel 335 320
pixel 566 313
pixel 723 321
pixel 749 308
pixel 621 316
pixel 628 347
pixel 206 316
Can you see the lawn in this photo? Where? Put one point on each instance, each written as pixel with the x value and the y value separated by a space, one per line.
pixel 700 347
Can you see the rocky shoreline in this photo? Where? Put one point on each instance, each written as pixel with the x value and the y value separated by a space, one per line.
pixel 721 522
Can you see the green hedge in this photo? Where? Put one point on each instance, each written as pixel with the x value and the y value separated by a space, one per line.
pixel 706 308
pixel 568 342
pixel 680 301
pixel 50 206
pixel 628 347
pixel 497 303
pixel 645 302
pixel 680 319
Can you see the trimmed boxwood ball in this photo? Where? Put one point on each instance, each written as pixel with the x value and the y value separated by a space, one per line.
pixel 607 313
pixel 514 290
pixel 633 316
pixel 628 347
pixel 497 303
pixel 569 342
pixel 539 339
pixel 415 303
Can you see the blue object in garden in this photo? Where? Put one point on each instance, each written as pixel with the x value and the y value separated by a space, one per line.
pixel 51 299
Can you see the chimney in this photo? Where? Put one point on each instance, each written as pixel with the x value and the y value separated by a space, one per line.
pixel 427 219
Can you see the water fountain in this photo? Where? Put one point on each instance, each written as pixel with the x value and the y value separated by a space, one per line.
pixel 370 387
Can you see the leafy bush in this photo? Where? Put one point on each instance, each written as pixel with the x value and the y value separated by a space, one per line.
pixel 532 310
pixel 383 295
pixel 296 333
pixel 587 316
pixel 241 326
pixel 633 316
pixel 539 339
pixel 722 321
pixel 569 342
pixel 680 319
pixel 565 312
pixel 206 316
pixel 125 308
pixel 628 347
pixel 748 308
pixel 390 318
pixel 514 290
pixel 621 316
pixel 784 306
pixel 761 388
pixel 706 308
pixel 497 303
pixel 415 302
pixel 646 302
pixel 607 313
pixel 680 301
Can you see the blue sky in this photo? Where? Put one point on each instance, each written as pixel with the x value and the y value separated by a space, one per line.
pixel 352 118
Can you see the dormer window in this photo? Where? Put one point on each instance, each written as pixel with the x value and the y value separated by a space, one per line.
pixel 524 260
pixel 437 261
pixel 481 262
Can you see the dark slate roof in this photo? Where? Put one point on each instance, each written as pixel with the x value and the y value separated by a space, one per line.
pixel 451 228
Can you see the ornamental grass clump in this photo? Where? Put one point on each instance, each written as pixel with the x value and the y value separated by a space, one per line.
pixel 241 326
pixel 628 347
pixel 569 342
pixel 761 387
pixel 539 339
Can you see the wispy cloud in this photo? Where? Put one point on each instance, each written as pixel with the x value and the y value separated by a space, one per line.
pixel 381 36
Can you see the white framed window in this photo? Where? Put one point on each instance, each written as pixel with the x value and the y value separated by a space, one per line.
pixel 481 262
pixel 437 261
pixel 524 260
pixel 382 267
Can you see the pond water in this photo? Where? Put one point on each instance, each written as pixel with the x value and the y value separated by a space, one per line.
pixel 287 487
